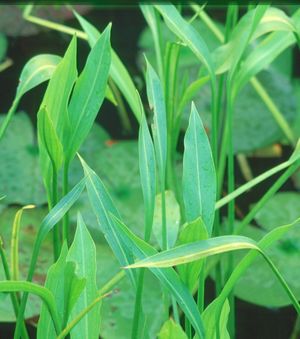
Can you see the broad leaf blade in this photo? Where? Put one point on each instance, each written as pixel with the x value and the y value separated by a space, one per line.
pixel 66 287
pixel 88 94
pixel 83 252
pixel 168 277
pixel 171 330
pixel 199 177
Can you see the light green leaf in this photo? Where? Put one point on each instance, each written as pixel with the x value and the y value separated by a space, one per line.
pixel 172 216
pixel 66 287
pixel 209 321
pixel 37 70
pixel 197 250
pixel 147 173
pixel 83 253
pixel 187 34
pixel 171 330
pixel 49 140
pixel 14 245
pixel 168 277
pixel 191 232
pixel 102 205
pixel 157 104
pixel 199 177
pixel 118 71
pixel 88 94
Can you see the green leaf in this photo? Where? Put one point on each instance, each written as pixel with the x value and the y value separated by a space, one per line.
pixel 188 35
pixel 66 287
pixel 172 216
pixel 118 71
pixel 168 277
pixel 102 205
pixel 209 321
pixel 147 173
pixel 171 330
pixel 49 140
pixel 197 250
pixel 88 94
pixel 157 104
pixel 43 292
pixel 199 177
pixel 36 71
pixel 83 253
pixel 191 232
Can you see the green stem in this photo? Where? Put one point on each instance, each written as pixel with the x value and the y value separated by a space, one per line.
pixel 121 107
pixel 137 306
pixel 56 233
pixel 13 295
pixel 112 282
pixel 66 226
pixel 9 116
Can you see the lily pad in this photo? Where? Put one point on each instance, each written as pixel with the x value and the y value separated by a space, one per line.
pixel 20 178
pixel 253 124
pixel 258 284
pixel 29 225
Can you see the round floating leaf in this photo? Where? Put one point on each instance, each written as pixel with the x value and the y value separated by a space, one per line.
pixel 254 126
pixel 20 178
pixel 29 225
pixel 117 310
pixel 258 285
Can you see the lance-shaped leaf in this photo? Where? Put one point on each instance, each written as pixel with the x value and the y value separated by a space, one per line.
pixel 102 205
pixel 52 117
pixel 168 277
pixel 118 71
pixel 66 287
pixel 197 250
pixel 191 232
pixel 83 252
pixel 49 141
pixel 157 104
pixel 37 70
pixel 263 54
pixel 199 177
pixel 88 94
pixel 188 35
pixel 147 173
